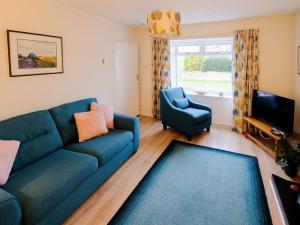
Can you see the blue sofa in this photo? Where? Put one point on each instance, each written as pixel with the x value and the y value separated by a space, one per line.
pixel 53 174
pixel 188 117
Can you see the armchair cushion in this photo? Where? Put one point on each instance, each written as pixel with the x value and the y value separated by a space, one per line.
pixel 196 105
pixel 198 114
pixel 181 103
pixel 174 93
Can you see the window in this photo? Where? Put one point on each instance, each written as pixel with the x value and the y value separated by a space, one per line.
pixel 203 66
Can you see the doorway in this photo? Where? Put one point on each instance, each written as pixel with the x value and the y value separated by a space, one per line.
pixel 126 78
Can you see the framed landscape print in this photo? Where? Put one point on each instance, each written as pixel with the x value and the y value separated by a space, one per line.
pixel 34 54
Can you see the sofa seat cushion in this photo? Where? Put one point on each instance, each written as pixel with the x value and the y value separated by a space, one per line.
pixel 198 115
pixel 41 186
pixel 104 147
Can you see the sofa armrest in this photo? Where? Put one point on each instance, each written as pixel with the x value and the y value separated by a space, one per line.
pixel 131 123
pixel 10 209
pixel 199 106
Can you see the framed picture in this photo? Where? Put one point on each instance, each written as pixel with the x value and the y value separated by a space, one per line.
pixel 298 62
pixel 34 54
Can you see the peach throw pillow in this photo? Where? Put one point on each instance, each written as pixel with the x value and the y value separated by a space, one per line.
pixel 108 113
pixel 90 124
pixel 8 152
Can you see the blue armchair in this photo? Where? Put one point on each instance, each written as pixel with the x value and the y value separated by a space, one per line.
pixel 183 114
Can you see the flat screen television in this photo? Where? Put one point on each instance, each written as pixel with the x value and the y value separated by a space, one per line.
pixel 274 110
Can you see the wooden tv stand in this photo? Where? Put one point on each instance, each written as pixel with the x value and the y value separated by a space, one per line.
pixel 252 129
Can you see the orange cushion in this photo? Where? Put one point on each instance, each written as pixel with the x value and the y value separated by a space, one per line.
pixel 8 152
pixel 90 124
pixel 108 113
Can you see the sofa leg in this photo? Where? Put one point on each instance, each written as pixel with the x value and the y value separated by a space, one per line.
pixel 208 129
pixel 165 126
pixel 189 137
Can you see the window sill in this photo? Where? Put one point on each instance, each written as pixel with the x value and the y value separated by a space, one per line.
pixel 210 95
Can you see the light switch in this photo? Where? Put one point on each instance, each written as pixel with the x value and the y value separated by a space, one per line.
pixel 104 61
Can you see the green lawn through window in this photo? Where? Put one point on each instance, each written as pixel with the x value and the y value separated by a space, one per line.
pixel 206 82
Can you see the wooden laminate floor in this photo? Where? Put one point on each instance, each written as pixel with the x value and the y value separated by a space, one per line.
pixel 106 201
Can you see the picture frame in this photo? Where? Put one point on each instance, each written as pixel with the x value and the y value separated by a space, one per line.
pixel 298 60
pixel 34 54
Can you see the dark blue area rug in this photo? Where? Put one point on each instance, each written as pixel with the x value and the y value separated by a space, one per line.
pixel 195 185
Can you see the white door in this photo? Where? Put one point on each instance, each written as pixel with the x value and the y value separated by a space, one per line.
pixel 126 82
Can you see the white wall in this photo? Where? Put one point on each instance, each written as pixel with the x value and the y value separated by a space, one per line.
pixel 276 35
pixel 297 76
pixel 86 40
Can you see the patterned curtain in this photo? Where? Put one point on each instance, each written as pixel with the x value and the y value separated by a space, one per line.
pixel 161 77
pixel 246 66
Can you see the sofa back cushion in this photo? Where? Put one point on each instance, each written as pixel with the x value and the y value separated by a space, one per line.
pixel 174 93
pixel 63 116
pixel 37 133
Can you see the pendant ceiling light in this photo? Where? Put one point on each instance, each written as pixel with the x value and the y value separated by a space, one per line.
pixel 164 23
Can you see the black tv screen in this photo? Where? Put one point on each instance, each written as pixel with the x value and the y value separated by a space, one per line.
pixel 274 110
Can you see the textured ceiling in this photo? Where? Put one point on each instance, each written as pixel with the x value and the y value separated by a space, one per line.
pixel 133 12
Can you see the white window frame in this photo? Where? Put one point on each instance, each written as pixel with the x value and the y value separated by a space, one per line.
pixel 174 44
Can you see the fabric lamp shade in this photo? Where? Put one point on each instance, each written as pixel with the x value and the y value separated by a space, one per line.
pixel 164 23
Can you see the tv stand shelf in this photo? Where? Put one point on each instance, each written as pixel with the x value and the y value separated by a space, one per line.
pixel 254 127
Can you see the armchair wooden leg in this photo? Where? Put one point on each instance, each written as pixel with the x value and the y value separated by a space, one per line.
pixel 208 129
pixel 165 126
